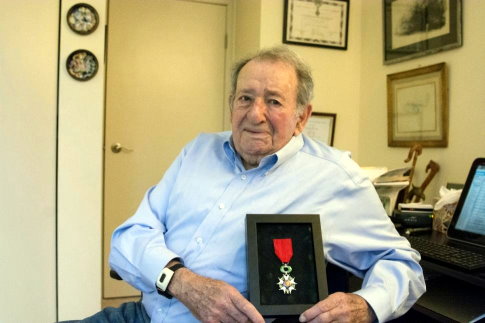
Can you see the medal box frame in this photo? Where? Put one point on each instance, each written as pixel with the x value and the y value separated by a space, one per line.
pixel 307 263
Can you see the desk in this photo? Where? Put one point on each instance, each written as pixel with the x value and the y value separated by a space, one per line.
pixel 448 300
pixel 452 295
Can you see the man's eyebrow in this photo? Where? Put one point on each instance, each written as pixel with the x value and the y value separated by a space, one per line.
pixel 267 92
pixel 274 93
pixel 246 90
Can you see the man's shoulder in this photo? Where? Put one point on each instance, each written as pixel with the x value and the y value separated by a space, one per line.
pixel 206 144
pixel 206 139
pixel 339 161
pixel 323 152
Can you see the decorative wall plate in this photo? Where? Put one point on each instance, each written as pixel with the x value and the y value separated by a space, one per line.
pixel 82 18
pixel 82 65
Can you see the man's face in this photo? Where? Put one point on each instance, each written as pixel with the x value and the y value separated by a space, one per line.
pixel 264 116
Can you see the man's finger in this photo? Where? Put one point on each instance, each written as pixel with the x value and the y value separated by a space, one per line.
pixel 321 307
pixel 247 309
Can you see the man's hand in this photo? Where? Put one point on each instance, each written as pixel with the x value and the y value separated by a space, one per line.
pixel 339 307
pixel 212 300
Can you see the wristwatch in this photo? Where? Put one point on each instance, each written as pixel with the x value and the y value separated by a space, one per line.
pixel 164 279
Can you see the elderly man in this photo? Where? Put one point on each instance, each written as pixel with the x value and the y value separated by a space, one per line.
pixel 185 246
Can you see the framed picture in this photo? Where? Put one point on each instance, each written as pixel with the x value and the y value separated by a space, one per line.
pixel 414 28
pixel 321 126
pixel 316 23
pixel 286 267
pixel 417 107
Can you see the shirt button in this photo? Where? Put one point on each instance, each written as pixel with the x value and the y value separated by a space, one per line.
pixel 243 177
pixel 221 206
pixel 198 240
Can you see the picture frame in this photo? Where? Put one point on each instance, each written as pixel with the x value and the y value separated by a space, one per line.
pixel 322 23
pixel 417 107
pixel 82 18
pixel 413 29
pixel 264 266
pixel 82 65
pixel 321 126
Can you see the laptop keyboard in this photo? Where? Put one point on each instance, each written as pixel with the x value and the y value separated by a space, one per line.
pixel 448 255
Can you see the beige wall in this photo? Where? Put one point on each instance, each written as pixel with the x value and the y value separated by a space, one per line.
pixel 350 83
pixel 336 72
pixel 466 98
pixel 28 91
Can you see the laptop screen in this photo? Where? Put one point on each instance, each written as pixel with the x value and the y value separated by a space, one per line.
pixel 468 223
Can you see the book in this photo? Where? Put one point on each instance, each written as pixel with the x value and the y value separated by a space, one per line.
pixel 415 207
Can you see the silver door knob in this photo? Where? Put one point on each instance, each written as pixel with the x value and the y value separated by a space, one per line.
pixel 117 148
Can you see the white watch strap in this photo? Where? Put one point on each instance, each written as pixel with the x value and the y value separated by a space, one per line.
pixel 164 279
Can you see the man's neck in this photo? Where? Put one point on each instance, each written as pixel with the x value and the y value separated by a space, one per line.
pixel 248 165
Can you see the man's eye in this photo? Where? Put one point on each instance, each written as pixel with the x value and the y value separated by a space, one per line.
pixel 244 98
pixel 274 102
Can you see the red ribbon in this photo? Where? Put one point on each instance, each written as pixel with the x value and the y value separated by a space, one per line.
pixel 283 248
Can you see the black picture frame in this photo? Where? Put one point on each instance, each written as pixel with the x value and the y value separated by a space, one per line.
pixel 82 18
pixel 321 23
pixel 308 263
pixel 413 30
pixel 82 65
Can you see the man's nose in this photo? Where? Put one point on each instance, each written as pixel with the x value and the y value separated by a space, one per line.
pixel 257 111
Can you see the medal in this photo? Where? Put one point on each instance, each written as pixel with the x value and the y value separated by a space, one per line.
pixel 283 249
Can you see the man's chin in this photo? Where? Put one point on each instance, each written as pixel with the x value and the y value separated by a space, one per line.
pixel 257 150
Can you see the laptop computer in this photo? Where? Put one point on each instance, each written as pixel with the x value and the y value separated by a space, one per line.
pixel 464 247
pixel 468 223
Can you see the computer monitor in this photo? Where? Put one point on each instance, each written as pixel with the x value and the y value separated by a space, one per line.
pixel 468 223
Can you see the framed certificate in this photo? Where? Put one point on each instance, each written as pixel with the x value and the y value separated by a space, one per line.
pixel 316 23
pixel 286 266
pixel 321 126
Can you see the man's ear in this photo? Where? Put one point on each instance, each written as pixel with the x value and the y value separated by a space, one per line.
pixel 302 119
pixel 231 104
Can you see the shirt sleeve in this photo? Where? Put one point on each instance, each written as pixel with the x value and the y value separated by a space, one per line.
pixel 360 237
pixel 138 249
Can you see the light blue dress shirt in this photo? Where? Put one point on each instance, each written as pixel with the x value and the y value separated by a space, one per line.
pixel 197 212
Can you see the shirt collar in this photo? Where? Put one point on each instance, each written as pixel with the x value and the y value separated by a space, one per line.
pixel 272 161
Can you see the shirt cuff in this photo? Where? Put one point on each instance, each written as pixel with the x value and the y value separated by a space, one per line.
pixel 378 299
pixel 154 268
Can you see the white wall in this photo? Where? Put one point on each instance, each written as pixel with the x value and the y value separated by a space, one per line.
pixel 28 94
pixel 466 99
pixel 80 173
pixel 29 37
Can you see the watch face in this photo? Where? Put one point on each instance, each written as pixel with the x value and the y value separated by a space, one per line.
pixel 82 18
pixel 82 65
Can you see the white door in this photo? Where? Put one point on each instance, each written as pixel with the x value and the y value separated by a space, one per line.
pixel 165 84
